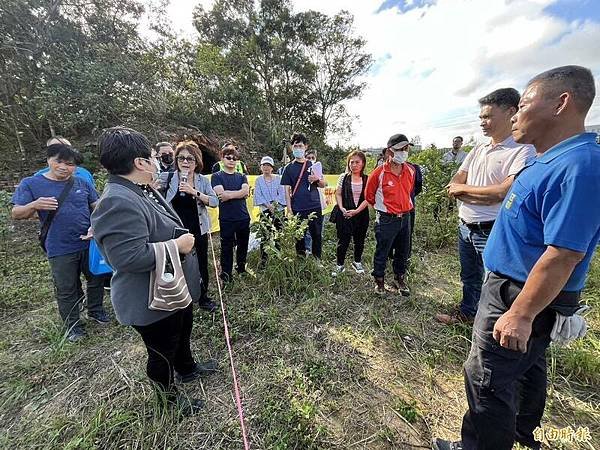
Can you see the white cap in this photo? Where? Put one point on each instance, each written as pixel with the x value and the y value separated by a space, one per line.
pixel 267 160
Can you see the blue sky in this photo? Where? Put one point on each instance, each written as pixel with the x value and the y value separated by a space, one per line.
pixel 435 58
pixel 572 10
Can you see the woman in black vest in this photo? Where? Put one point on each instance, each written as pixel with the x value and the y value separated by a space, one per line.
pixel 352 218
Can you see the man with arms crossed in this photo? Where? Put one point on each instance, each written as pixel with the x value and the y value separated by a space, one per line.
pixel 539 254
pixel 480 185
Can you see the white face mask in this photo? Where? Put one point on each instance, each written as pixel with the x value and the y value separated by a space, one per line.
pixel 400 156
pixel 156 170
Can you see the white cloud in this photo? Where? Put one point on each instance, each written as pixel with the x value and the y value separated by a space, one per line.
pixel 434 62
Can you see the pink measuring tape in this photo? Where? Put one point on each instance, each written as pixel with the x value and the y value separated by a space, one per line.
pixel 236 389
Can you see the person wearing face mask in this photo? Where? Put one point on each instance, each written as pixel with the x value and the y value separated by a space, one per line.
pixel 166 156
pixel 130 216
pixel 311 156
pixel 388 190
pixel 302 194
pixel 63 202
pixel 190 194
pixel 480 185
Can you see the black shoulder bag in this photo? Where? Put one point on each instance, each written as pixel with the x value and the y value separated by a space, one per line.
pixel 43 234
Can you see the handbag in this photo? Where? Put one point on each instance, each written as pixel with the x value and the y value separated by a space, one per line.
pixel 168 288
pixel 333 217
pixel 43 234
pixel 96 262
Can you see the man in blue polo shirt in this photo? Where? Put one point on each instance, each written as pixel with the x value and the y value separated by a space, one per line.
pixel 538 253
pixel 67 239
pixel 80 172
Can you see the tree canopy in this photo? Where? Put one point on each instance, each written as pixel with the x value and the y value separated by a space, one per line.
pixel 255 71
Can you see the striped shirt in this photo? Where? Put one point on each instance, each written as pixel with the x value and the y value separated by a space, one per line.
pixel 388 192
pixel 270 192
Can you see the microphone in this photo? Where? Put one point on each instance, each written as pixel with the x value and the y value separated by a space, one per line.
pixel 183 179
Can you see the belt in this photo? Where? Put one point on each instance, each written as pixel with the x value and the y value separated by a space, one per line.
pixel 387 214
pixel 484 226
pixel 564 302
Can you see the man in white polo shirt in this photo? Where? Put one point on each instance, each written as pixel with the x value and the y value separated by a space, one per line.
pixel 480 185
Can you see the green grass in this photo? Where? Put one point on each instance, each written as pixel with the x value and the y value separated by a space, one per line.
pixel 323 363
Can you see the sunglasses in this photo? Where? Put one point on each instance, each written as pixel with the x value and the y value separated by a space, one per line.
pixel 186 159
pixel 230 158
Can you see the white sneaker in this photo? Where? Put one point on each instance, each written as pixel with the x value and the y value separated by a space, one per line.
pixel 337 271
pixel 358 267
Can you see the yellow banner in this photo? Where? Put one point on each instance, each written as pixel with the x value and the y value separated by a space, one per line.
pixel 328 191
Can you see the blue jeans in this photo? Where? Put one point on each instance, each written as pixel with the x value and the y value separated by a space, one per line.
pixel 470 250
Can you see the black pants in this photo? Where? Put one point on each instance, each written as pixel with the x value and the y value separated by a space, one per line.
pixel 391 232
pixel 315 228
pixel 232 234
pixel 506 389
pixel 168 346
pixel 355 229
pixel 201 244
pixel 66 272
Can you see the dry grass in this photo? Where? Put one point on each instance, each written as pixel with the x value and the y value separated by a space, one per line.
pixel 334 367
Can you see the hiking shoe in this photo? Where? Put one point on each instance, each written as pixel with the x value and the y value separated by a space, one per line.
pixel 358 267
pixel 338 269
pixel 187 406
pixel 380 287
pixel 100 317
pixel 75 334
pixel 225 278
pixel 454 318
pixel 401 286
pixel 441 444
pixel 201 370
pixel 207 304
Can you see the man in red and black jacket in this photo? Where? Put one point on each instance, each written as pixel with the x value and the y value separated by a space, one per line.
pixel 388 190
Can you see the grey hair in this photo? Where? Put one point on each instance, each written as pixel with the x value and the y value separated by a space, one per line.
pixel 576 80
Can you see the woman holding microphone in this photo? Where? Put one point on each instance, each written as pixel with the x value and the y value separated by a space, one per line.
pixel 190 193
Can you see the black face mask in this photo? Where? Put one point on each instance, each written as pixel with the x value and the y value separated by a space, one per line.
pixel 167 159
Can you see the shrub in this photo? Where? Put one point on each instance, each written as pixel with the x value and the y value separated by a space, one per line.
pixel 436 213
pixel 285 272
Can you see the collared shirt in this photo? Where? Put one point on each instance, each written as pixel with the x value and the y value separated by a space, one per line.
pixel 489 164
pixel 388 192
pixel 450 157
pixel 72 219
pixel 80 172
pixel 269 192
pixel 554 201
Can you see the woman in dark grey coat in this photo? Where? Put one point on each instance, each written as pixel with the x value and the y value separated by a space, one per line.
pixel 130 216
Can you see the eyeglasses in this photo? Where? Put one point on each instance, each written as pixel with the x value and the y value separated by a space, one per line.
pixel 230 158
pixel 186 159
